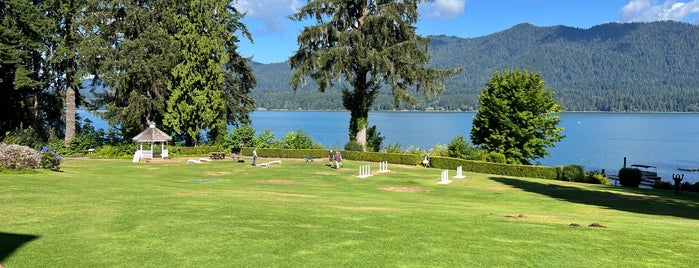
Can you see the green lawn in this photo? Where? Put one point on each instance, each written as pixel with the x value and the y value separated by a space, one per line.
pixel 114 213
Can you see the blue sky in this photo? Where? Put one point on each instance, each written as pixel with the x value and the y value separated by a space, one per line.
pixel 274 34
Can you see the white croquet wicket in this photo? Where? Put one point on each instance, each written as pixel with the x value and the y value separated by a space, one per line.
pixel 383 167
pixel 445 177
pixel 364 171
pixel 459 173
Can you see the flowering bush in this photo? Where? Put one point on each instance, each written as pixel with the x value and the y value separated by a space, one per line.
pixel 18 157
pixel 50 159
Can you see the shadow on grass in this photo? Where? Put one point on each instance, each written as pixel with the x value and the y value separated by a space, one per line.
pixel 663 203
pixel 11 242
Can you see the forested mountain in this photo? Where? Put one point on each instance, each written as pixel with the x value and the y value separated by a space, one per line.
pixel 611 67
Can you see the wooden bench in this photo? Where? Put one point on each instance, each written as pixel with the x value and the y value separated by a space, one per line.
pixel 217 155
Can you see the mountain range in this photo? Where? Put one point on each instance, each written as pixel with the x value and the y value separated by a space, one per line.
pixel 619 67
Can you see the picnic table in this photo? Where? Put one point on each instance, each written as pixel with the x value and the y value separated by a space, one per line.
pixel 217 155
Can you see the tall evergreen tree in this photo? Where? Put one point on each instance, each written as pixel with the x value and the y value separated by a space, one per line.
pixel 203 91
pixel 368 44
pixel 22 27
pixel 62 54
pixel 132 51
pixel 517 117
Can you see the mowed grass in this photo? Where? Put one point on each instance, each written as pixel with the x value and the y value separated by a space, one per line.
pixel 114 213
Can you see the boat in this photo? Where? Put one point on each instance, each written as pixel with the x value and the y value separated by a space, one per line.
pixel 649 175
pixel 688 169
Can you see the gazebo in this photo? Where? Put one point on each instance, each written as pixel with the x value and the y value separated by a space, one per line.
pixel 151 135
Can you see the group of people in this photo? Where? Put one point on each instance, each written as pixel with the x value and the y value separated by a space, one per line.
pixel 335 158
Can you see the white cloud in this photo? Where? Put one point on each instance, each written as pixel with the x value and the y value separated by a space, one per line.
pixel 653 10
pixel 273 13
pixel 444 9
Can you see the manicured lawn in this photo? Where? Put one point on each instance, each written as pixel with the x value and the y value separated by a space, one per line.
pixel 107 213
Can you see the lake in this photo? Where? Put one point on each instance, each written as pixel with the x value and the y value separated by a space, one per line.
pixel 593 140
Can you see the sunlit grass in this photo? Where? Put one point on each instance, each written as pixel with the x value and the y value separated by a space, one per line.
pixel 98 213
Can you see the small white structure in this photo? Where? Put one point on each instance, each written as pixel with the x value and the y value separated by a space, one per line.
pixel 445 177
pixel 151 135
pixel 364 171
pixel 267 164
pixel 383 167
pixel 459 173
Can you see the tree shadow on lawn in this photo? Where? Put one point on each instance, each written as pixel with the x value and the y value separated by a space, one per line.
pixel 646 201
pixel 11 242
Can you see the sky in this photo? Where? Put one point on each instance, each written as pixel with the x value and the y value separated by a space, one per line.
pixel 274 35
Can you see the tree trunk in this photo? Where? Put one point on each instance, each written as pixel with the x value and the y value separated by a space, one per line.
pixel 70 69
pixel 358 123
pixel 358 102
pixel 70 111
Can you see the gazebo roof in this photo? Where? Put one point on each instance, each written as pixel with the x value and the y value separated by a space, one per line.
pixel 152 134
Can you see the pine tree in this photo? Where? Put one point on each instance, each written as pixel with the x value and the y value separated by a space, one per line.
pixel 131 52
pixel 363 45
pixel 22 28
pixel 204 95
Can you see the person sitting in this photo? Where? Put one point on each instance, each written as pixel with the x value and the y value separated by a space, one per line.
pixel 426 161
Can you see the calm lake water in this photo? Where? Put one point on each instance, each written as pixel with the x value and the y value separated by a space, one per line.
pixel 593 140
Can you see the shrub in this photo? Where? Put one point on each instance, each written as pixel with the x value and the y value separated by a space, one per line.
pixel 495 157
pixel 266 140
pixel 243 134
pixel 597 178
pixel 49 159
pixel 459 147
pixel 572 173
pixel 24 136
pixel 374 140
pixel 439 150
pixel 18 157
pixel 118 151
pixel 412 149
pixel 353 146
pixel 394 148
pixel 298 139
pixel 630 177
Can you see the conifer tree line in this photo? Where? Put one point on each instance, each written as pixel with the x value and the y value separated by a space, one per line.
pixel 170 62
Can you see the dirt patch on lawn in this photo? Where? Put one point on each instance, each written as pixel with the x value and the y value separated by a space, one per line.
pixel 218 173
pixel 284 182
pixel 499 188
pixel 404 189
pixel 369 208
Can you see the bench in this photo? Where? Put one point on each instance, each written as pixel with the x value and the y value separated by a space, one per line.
pixel 217 155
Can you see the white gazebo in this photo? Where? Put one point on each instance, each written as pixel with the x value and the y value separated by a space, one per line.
pixel 151 135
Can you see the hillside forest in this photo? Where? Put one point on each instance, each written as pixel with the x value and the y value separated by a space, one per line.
pixel 614 67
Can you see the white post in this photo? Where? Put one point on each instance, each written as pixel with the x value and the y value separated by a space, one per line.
pixel 383 167
pixel 459 173
pixel 445 177
pixel 364 171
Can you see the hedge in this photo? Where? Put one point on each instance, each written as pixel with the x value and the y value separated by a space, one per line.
pixel 544 172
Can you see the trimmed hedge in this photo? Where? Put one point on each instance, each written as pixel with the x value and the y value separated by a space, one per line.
pixel 544 172
pixel 194 151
